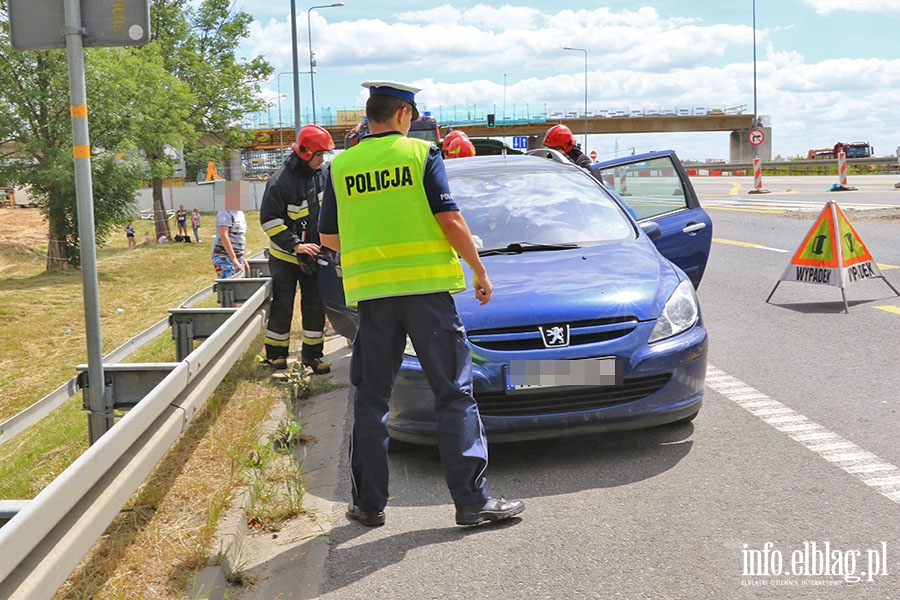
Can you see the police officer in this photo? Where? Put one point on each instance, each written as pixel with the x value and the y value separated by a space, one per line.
pixel 560 137
pixel 289 215
pixel 388 208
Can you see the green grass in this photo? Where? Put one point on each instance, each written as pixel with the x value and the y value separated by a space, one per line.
pixel 42 319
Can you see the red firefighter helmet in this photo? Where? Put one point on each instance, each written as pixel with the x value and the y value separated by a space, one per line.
pixel 559 137
pixel 453 135
pixel 461 147
pixel 312 139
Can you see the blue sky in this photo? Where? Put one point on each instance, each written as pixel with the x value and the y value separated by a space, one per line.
pixel 827 70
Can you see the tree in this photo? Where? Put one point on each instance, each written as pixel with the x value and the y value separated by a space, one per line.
pixel 36 148
pixel 187 81
pixel 198 46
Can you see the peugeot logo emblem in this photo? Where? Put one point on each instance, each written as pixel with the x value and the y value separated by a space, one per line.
pixel 555 336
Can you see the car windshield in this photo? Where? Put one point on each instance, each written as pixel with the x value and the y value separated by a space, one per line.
pixel 546 209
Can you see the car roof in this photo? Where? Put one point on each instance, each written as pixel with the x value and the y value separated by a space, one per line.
pixel 509 162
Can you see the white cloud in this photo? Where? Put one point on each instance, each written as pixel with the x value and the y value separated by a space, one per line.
pixel 637 59
pixel 825 7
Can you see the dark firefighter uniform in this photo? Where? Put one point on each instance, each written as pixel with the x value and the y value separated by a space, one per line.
pixel 399 269
pixel 289 214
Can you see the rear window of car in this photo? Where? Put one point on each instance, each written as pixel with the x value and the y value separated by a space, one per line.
pixel 538 206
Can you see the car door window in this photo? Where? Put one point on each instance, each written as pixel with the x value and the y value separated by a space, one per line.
pixel 651 188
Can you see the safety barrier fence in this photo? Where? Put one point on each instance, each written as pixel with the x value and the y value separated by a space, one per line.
pixel 47 537
pixel 793 167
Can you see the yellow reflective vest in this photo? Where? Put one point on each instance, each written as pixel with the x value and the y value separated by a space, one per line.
pixel 391 244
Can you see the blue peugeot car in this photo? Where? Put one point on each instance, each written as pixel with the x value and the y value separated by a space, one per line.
pixel 593 324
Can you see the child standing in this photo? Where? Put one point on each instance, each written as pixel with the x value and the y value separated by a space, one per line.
pixel 195 224
pixel 129 233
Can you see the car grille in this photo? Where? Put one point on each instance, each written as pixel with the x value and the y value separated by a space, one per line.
pixel 528 337
pixel 572 399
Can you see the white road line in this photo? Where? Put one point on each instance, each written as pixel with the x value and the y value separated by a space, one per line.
pixel 876 473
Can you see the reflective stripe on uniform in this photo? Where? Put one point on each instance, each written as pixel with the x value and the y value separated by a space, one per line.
pixel 298 212
pixel 313 338
pixel 424 274
pixel 274 227
pixel 364 255
pixel 283 337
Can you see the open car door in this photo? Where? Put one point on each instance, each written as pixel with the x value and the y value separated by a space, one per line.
pixel 656 187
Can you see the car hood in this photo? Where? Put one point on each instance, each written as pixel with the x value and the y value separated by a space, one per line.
pixel 620 279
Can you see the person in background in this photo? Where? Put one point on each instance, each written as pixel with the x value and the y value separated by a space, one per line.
pixel 181 220
pixel 129 233
pixel 560 137
pixel 388 206
pixel 289 215
pixel 460 148
pixel 195 225
pixel 228 247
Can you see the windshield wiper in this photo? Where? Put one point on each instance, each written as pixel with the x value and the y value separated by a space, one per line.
pixel 520 247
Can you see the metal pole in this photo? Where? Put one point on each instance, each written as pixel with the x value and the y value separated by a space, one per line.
pixel 100 418
pixel 312 60
pixel 294 63
pixel 585 93
pixel 755 113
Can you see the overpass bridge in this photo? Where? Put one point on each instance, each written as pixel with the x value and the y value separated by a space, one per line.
pixel 737 124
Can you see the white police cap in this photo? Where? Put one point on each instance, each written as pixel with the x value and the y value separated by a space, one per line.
pixel 397 90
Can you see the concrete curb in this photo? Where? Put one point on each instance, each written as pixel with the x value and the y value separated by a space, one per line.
pixel 293 561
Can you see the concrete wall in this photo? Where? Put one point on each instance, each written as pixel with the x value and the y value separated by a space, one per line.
pixel 743 151
pixel 199 196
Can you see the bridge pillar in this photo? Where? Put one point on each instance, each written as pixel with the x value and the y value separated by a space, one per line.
pixel 741 150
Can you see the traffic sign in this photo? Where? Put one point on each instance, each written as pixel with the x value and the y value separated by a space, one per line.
pixel 39 24
pixel 593 155
pixel 520 142
pixel 756 136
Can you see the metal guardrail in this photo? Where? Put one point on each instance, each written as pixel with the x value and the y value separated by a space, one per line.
pixel 40 409
pixel 794 165
pixel 48 537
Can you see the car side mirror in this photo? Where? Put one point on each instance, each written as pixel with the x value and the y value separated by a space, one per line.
pixel 652 230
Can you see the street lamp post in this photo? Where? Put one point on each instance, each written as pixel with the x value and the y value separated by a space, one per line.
pixel 295 69
pixel 280 96
pixel 312 60
pixel 585 93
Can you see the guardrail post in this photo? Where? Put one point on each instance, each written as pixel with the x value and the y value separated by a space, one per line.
pixel 238 289
pixel 189 324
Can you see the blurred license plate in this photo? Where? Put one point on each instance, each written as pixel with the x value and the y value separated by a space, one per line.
pixel 528 374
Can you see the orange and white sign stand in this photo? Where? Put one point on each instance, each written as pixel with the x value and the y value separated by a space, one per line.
pixel 832 253
pixel 757 178
pixel 841 185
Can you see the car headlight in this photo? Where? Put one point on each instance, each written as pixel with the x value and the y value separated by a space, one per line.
pixel 679 314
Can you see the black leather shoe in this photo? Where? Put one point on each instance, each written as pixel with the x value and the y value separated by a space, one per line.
pixel 493 510
pixel 369 520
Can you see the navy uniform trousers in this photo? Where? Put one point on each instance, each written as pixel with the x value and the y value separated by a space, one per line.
pixel 432 323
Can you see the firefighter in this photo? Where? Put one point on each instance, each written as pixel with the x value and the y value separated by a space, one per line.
pixel 388 208
pixel 289 215
pixel 448 139
pixel 460 148
pixel 559 137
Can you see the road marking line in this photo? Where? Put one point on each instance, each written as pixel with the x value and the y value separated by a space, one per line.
pixel 735 188
pixel 809 434
pixel 747 245
pixel 765 211
pixel 890 309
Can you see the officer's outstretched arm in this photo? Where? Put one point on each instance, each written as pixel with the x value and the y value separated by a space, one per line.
pixel 457 231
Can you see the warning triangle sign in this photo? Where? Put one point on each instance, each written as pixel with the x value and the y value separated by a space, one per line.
pixel 832 253
pixel 817 249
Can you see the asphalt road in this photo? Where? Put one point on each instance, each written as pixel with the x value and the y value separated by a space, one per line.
pixel 786 485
